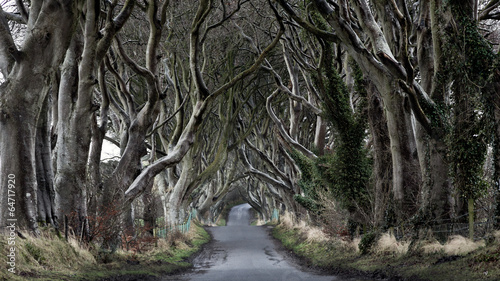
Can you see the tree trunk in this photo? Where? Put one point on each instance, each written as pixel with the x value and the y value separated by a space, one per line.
pixel 17 157
pixel 175 201
pixel 495 96
pixel 45 178
pixel 320 135
pixel 405 168
pixel 382 162
pixel 206 202
pixel 160 183
pixel 435 200
pixel 74 135
pixel 98 133
pixel 150 208
pixel 21 98
pixel 383 72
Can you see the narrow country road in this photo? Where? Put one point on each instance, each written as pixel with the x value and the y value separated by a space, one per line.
pixel 243 252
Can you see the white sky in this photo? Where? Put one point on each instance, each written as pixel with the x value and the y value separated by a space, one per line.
pixel 109 151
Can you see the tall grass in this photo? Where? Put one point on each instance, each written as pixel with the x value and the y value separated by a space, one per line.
pixel 386 243
pixel 50 257
pixel 458 259
pixel 46 253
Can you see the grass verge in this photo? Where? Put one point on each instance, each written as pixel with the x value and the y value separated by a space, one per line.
pixel 457 260
pixel 52 258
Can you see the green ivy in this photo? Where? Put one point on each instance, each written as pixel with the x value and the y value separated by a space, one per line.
pixel 367 242
pixel 310 182
pixel 344 173
pixel 469 68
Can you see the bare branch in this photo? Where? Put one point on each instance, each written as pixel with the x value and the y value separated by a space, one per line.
pixel 307 25
pixel 123 90
pixel 263 176
pixel 23 17
pixel 258 62
pixel 174 157
pixel 194 49
pixel 112 27
pixel 486 12
pixel 7 47
pixel 294 94
pixel 169 118
pixel 12 17
pixel 223 20
pixel 286 137
pixel 269 162
pixel 153 92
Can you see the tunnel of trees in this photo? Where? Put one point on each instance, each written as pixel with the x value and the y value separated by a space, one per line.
pixel 363 113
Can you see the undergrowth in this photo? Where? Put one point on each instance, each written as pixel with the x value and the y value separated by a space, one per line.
pixel 52 258
pixel 385 257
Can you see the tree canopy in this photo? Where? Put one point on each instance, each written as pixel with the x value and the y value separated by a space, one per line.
pixel 387 112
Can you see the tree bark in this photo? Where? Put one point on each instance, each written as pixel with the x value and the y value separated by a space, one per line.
pixel 405 169
pixel 73 143
pixel 98 133
pixel 45 177
pixel 382 161
pixel 495 96
pixel 435 201
pixel 21 98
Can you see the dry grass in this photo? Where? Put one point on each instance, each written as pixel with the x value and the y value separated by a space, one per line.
pixel 48 253
pixel 260 222
pixel 429 247
pixel 459 245
pixel 316 234
pixel 312 233
pixel 350 246
pixel 302 225
pixel 428 259
pixel 52 258
pixel 176 238
pixel 496 234
pixel 388 244
pixel 456 245
pixel 287 220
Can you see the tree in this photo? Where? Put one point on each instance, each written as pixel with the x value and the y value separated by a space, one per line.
pixel 379 38
pixel 76 107
pixel 27 70
pixel 201 96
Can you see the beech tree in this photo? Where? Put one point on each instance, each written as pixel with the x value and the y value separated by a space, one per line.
pixel 201 96
pixel 388 40
pixel 27 70
pixel 76 107
pixel 387 107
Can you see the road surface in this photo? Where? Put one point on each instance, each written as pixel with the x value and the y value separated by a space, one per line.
pixel 242 252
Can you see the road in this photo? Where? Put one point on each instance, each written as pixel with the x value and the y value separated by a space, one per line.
pixel 243 252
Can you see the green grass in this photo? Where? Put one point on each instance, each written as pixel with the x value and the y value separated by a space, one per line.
pixel 481 264
pixel 52 258
pixel 221 222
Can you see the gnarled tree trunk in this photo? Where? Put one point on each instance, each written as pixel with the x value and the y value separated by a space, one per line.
pixel 49 30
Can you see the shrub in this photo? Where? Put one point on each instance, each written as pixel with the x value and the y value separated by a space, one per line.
pixel 367 242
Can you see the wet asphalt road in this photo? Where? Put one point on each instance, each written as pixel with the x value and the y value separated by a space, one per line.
pixel 243 252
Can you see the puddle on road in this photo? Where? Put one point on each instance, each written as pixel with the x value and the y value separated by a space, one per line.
pixel 272 255
pixel 207 259
pixel 240 252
